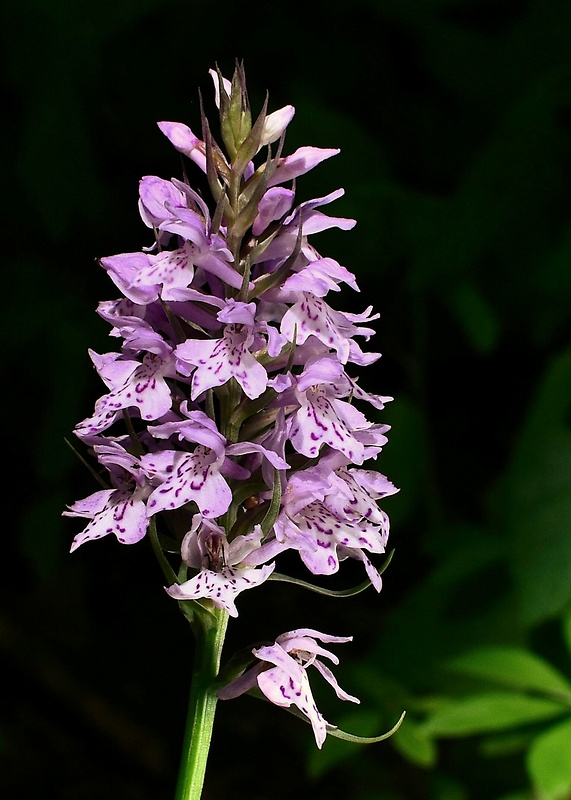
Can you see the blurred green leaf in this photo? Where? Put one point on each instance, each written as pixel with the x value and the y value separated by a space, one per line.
pixel 336 751
pixel 550 406
pixel 549 762
pixel 542 562
pixel 484 249
pixel 476 316
pixel 489 711
pixel 504 744
pixel 566 625
pixel 554 289
pixel 405 458
pixel 513 667
pixel 449 611
pixel 533 498
pixel 446 788
pixel 414 744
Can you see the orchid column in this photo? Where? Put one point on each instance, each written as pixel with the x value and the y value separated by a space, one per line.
pixel 232 429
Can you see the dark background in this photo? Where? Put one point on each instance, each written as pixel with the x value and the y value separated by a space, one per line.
pixel 454 123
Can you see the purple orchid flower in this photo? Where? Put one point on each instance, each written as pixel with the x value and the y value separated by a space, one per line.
pixel 218 360
pixel 282 675
pixel 197 476
pixel 137 385
pixel 121 510
pixel 224 571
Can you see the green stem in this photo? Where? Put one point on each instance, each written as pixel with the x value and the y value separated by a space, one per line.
pixel 202 706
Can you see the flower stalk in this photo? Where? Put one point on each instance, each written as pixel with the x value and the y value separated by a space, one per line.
pixel 209 640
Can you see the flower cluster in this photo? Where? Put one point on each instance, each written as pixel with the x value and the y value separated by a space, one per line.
pixel 230 409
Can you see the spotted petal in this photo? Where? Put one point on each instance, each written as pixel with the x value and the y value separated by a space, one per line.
pixel 194 477
pixel 323 419
pixel 221 587
pixel 173 270
pixel 219 360
pixel 317 534
pixel 117 511
pixel 311 316
pixel 145 389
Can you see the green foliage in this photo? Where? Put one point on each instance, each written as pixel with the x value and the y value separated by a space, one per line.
pixel 489 711
pixel 567 630
pixel 549 762
pixel 539 693
pixel 513 667
pixel 476 316
pixel 516 796
pixel 336 751
pixel 416 744
pixel 533 497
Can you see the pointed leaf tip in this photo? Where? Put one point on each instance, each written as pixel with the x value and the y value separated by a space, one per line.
pixel 351 737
